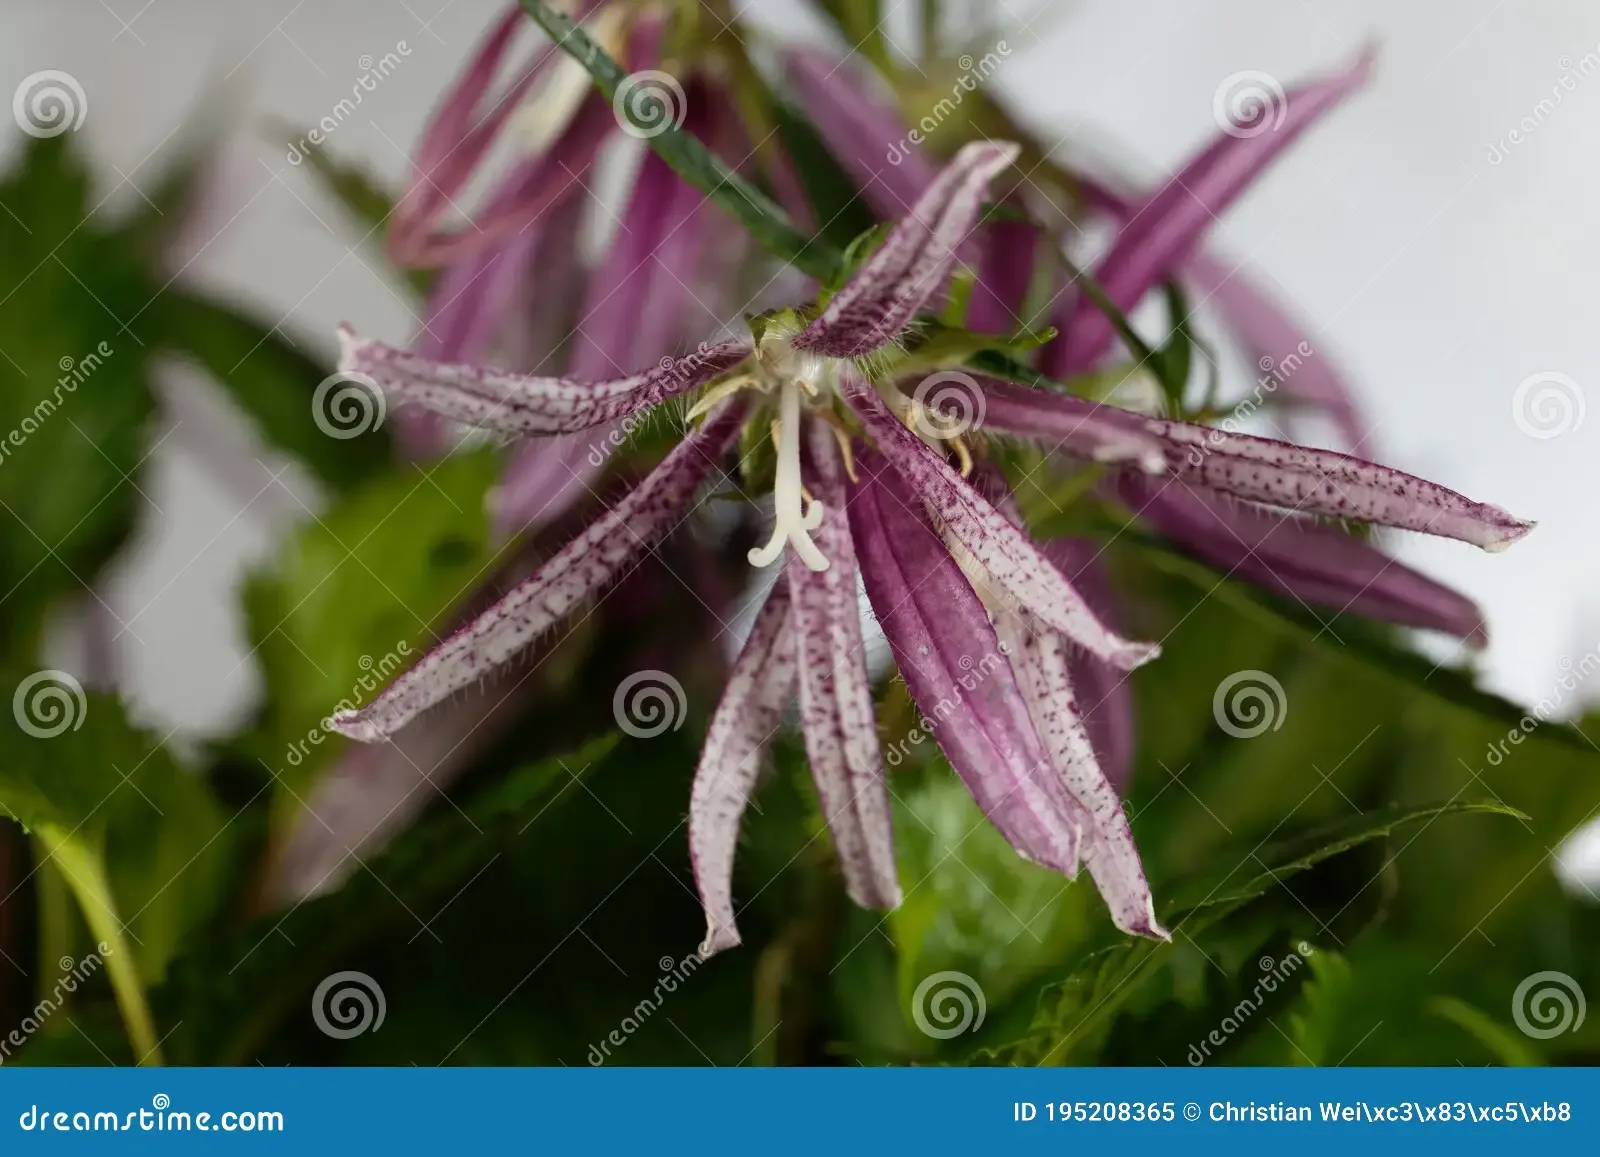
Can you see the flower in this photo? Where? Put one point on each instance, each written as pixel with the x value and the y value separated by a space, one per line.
pixel 863 482
pixel 522 245
pixel 1263 541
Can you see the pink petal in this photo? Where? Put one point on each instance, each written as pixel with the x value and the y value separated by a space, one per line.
pixel 836 711
pixel 1329 484
pixel 911 266
pixel 1266 329
pixel 1109 852
pixel 861 127
pixel 1105 694
pixel 587 564
pixel 1063 422
pixel 955 668
pixel 760 686
pixel 1000 548
pixel 1163 234
pixel 521 404
pixel 1004 274
pixel 1307 561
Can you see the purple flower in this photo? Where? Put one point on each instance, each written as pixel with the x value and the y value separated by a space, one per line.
pixel 863 482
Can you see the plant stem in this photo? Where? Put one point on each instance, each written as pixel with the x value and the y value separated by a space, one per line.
pixel 85 873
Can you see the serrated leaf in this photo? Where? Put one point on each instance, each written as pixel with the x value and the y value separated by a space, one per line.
pixel 1076 1010
pixel 230 994
pixel 272 380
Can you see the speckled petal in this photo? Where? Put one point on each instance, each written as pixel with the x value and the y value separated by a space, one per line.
pixel 1108 848
pixel 836 712
pixel 1000 548
pixel 1308 561
pixel 521 404
pixel 760 686
pixel 1070 424
pixel 953 664
pixel 912 264
pixel 1105 694
pixel 1329 484
pixel 587 564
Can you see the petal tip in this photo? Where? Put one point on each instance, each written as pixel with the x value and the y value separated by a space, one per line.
pixel 719 938
pixel 352 726
pixel 1507 530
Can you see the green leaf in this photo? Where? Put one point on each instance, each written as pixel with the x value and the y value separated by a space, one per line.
pixel 231 993
pixel 691 160
pixel 272 380
pixel 75 405
pixel 363 198
pixel 357 594
pixel 1075 1012
pixel 136 839
pixel 834 199
pixel 1360 645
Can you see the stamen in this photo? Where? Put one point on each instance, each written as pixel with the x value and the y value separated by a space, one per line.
pixel 964 454
pixel 717 392
pixel 841 436
pixel 795 513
